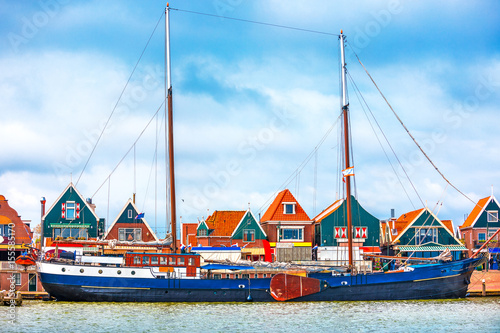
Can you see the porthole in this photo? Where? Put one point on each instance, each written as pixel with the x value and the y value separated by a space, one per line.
pixel 63 269
pixel 100 271
pixel 118 272
pixel 133 272
pixel 81 270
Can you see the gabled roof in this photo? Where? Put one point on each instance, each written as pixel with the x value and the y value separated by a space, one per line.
pixel 143 220
pixel 70 185
pixel 330 209
pixel 275 210
pixel 477 211
pixel 405 221
pixel 224 222
pixel 255 221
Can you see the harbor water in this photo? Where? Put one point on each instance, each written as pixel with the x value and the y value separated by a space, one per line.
pixel 462 315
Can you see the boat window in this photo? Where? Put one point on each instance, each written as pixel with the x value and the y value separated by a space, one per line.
pixel 154 260
pixel 171 260
pixel 191 261
pixel 228 276
pixel 255 276
pixel 180 261
pixel 137 260
pixel 145 260
pixel 264 275
pixel 163 260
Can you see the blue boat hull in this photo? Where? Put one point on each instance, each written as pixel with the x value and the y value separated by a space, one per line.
pixel 442 281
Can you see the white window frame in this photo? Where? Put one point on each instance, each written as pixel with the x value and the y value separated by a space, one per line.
pixel 129 212
pixel 68 209
pixel 285 204
pixel 17 278
pixel 491 231
pixel 122 234
pixel 252 231
pixel 492 216
pixel 428 232
pixel 291 240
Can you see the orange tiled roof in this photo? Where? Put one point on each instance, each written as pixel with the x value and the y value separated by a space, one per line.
pixel 328 210
pixel 404 220
pixel 275 210
pixel 481 204
pixel 449 225
pixel 224 222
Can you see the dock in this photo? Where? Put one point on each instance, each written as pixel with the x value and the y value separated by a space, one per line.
pixel 491 283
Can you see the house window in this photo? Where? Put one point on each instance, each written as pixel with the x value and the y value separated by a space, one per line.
pixel 481 236
pixel 292 234
pixel 491 232
pixel 492 215
pixel 288 208
pixel 5 230
pixel 426 235
pixel 129 234
pixel 249 235
pixel 17 278
pixel 129 213
pixel 70 210
pixel 71 232
pixel 202 232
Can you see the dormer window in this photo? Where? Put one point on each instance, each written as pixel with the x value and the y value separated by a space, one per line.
pixel 492 215
pixel 289 208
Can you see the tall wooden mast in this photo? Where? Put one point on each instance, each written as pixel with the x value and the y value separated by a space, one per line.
pixel 170 140
pixel 346 175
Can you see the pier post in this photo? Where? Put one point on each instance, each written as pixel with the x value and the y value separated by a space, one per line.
pixel 484 287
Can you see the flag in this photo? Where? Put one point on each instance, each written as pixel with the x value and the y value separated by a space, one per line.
pixel 139 216
pixel 235 245
pixel 348 172
pixel 315 247
pixel 183 246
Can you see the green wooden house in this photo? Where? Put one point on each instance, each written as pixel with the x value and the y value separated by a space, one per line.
pixel 331 226
pixel 421 234
pixel 71 216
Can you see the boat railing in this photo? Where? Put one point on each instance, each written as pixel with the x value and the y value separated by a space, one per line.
pixel 12 266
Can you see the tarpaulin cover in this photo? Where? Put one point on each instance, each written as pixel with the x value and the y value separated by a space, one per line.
pixel 222 266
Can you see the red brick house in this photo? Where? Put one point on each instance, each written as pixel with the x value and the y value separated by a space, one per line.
pixel 289 227
pixel 14 233
pixel 481 224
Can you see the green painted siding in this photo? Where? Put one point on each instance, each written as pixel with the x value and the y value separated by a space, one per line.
pixel 427 220
pixel 360 218
pixel 248 223
pixel 482 221
pixel 124 217
pixel 54 216
pixel 202 226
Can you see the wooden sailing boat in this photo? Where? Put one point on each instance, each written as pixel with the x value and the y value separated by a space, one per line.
pixel 180 277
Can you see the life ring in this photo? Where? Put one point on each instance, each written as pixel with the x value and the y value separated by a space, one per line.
pixel 48 256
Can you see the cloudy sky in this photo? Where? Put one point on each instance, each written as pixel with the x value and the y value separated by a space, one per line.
pixel 251 103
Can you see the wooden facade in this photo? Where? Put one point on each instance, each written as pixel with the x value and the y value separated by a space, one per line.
pixel 72 217
pixel 129 226
pixel 480 224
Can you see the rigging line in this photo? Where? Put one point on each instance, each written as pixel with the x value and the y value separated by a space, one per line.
pixel 408 132
pixel 257 22
pixel 360 97
pixel 152 167
pixel 301 166
pixel 118 101
pixel 128 151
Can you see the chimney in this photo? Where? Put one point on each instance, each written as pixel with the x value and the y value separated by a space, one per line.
pixel 392 213
pixel 91 205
